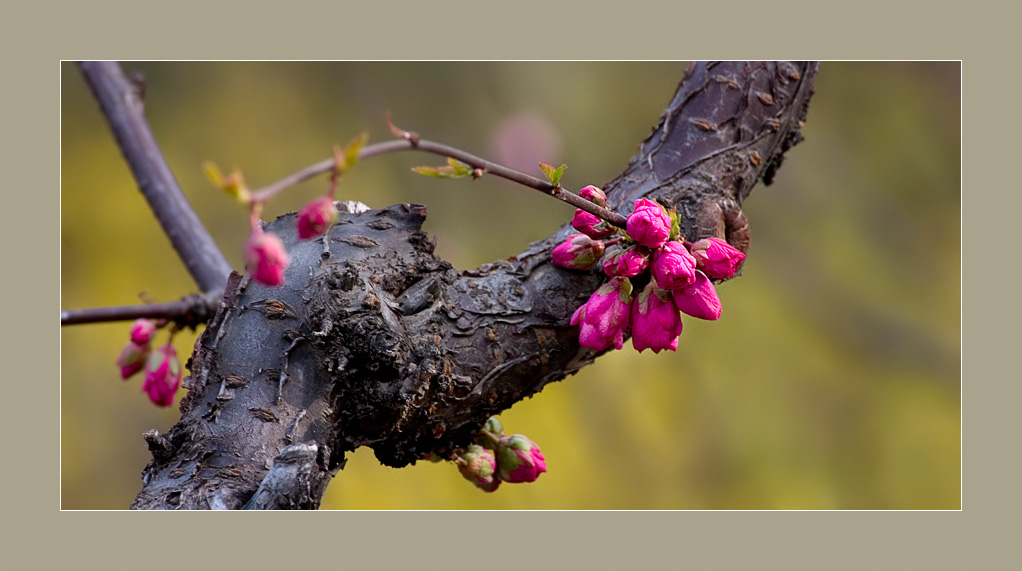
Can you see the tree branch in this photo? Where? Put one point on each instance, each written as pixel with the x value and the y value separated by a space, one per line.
pixel 187 312
pixel 376 342
pixel 121 103
pixel 417 144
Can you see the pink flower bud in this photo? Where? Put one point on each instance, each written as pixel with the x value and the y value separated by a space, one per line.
pixel 673 267
pixel 594 195
pixel 479 464
pixel 316 217
pixel 603 319
pixel 142 331
pixel 267 258
pixel 519 459
pixel 716 257
pixel 578 252
pixel 132 358
pixel 628 262
pixel 591 225
pixel 649 224
pixel 162 375
pixel 656 323
pixel 699 299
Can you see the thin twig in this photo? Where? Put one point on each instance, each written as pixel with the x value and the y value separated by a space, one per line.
pixel 186 312
pixel 446 151
pixel 122 105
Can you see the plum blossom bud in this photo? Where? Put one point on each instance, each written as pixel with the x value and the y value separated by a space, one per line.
pixel 699 299
pixel 132 358
pixel 142 331
pixel 316 217
pixel 578 252
pixel 267 258
pixel 603 319
pixel 673 267
pixel 493 429
pixel 656 323
pixel 649 224
pixel 519 459
pixel 594 195
pixel 479 464
pixel 591 225
pixel 162 375
pixel 717 258
pixel 628 262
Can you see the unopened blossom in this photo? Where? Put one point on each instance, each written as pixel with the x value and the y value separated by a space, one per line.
pixel 699 299
pixel 673 266
pixel 267 258
pixel 717 258
pixel 594 195
pixel 162 375
pixel 142 331
pixel 519 459
pixel 478 464
pixel 591 225
pixel 656 322
pixel 627 262
pixel 578 252
pixel 649 224
pixel 132 358
pixel 603 319
pixel 316 217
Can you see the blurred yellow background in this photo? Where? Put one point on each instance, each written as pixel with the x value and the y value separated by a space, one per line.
pixel 832 381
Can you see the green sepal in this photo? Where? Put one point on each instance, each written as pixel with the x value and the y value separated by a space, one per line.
pixel 675 225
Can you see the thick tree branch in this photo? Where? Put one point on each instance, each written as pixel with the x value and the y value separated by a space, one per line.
pixel 121 103
pixel 376 342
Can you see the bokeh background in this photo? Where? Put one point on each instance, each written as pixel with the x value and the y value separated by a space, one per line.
pixel 832 381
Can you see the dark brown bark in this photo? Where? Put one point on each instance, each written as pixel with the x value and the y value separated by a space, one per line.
pixel 373 341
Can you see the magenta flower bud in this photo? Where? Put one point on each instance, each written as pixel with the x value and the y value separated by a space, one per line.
pixel 316 217
pixel 519 459
pixel 656 323
pixel 594 195
pixel 591 225
pixel 673 267
pixel 578 252
pixel 699 299
pixel 479 464
pixel 717 258
pixel 628 262
pixel 267 258
pixel 603 319
pixel 649 224
pixel 162 375
pixel 132 358
pixel 142 331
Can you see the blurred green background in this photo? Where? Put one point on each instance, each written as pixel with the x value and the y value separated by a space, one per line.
pixel 832 381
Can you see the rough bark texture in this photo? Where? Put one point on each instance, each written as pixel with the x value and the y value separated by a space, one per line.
pixel 374 341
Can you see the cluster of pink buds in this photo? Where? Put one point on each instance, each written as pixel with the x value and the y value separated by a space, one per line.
pixel 494 458
pixel 676 272
pixel 162 367
pixel 265 253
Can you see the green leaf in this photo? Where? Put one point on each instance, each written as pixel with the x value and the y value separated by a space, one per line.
pixel 454 169
pixel 552 174
pixel 346 158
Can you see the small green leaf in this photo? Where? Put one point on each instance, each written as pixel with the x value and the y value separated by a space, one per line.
pixel 552 174
pixel 675 226
pixel 347 157
pixel 454 169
